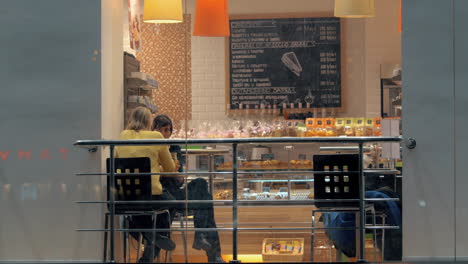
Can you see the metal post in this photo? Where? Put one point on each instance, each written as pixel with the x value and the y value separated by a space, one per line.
pixel 234 202
pixel 211 168
pixel 312 239
pixel 112 204
pixel 362 205
pixel 289 148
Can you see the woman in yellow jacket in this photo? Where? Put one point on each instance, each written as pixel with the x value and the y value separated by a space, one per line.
pixel 139 128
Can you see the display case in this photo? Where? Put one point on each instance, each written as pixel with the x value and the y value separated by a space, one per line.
pixel 284 173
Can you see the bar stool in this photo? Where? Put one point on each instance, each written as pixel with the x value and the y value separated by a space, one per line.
pixel 125 225
pixel 369 208
pixel 338 179
pixel 181 217
pixel 168 255
pixel 131 186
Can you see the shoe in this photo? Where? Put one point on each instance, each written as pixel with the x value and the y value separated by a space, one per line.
pixel 148 252
pixel 202 243
pixel 144 260
pixel 165 243
pixel 216 259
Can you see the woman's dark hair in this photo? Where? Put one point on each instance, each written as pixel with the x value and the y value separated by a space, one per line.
pixel 161 121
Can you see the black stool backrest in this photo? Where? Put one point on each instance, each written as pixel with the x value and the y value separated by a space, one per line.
pixel 130 187
pixel 340 182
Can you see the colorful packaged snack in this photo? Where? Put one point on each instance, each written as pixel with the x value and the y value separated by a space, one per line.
pixel 310 125
pixel 378 127
pixel 301 129
pixel 339 126
pixel 349 127
pixel 320 130
pixel 369 127
pixel 359 127
pixel 330 130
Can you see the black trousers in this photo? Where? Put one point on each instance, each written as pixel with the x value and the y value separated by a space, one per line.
pixel 203 212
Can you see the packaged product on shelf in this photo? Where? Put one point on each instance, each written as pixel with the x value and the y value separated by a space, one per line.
pixel 330 130
pixel 283 245
pixel 320 127
pixel 359 127
pixel 349 127
pixel 297 249
pixel 276 247
pixel 369 128
pixel 301 129
pixel 310 124
pixel 291 129
pixel 339 126
pixel 377 127
pixel 246 193
pixel 268 248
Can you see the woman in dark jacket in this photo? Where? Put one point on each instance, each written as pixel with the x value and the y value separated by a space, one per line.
pixel 196 190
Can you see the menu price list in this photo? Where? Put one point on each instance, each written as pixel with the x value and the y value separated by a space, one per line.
pixel 292 63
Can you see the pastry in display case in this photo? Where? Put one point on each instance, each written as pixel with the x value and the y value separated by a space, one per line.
pixel 268 165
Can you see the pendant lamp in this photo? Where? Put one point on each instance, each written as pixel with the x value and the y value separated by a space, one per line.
pixel 354 8
pixel 211 18
pixel 162 11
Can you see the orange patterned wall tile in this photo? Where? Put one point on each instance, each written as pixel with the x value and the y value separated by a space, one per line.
pixel 166 55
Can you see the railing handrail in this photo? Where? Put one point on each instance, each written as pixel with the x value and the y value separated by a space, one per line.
pixel 93 144
pixel 105 142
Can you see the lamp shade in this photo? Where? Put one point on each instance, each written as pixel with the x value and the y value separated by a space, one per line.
pixel 354 8
pixel 163 11
pixel 211 18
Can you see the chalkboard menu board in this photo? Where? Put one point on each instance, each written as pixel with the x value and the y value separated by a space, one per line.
pixel 291 62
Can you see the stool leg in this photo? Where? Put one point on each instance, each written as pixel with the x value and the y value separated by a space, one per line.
pixel 106 225
pixel 125 238
pixel 383 239
pixel 374 222
pixel 184 240
pixel 155 219
pixel 312 238
pixel 170 225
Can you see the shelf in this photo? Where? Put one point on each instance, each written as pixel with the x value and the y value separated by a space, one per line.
pixel 205 151
pixel 141 80
pixel 134 105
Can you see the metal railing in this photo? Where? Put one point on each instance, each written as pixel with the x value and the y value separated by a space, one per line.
pixel 92 145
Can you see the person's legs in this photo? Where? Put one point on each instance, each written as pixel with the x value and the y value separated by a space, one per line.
pixel 204 218
pixel 162 240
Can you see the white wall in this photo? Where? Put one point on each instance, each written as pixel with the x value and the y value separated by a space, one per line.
pixel 112 47
pixel 382 46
